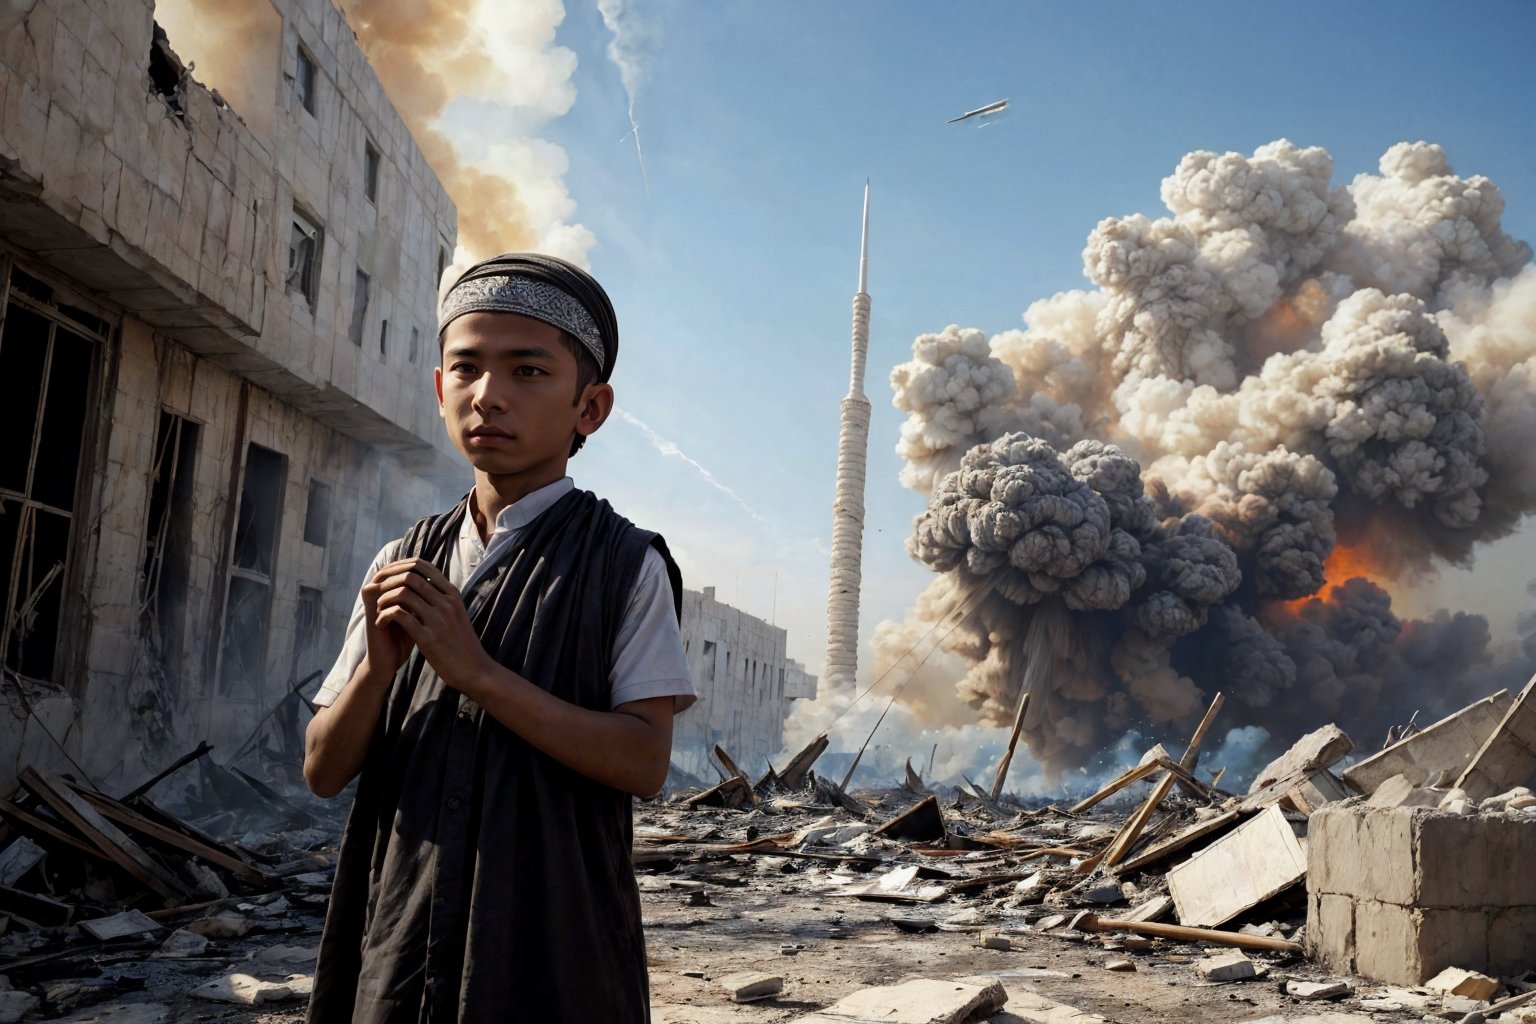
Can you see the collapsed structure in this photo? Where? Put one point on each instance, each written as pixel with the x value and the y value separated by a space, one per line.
pixel 218 328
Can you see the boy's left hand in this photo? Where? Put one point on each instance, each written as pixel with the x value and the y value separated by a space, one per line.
pixel 421 601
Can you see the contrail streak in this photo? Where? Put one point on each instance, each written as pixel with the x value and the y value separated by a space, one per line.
pixel 671 450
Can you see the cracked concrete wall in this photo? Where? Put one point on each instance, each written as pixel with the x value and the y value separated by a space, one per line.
pixel 175 224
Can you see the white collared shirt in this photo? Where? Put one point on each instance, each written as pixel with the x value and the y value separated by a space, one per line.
pixel 648 651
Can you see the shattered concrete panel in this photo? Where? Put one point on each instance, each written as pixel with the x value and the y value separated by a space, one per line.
pixel 1445 746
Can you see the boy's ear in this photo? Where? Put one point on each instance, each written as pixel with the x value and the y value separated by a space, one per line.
pixel 596 403
pixel 437 385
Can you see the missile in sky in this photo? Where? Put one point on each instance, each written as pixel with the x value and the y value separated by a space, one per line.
pixel 990 108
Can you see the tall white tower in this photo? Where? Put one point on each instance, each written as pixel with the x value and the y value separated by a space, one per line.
pixel 848 506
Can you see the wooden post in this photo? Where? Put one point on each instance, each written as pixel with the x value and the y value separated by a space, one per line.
pixel 1013 741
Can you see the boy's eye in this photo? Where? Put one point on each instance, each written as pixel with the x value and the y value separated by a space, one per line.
pixel 529 371
pixel 462 368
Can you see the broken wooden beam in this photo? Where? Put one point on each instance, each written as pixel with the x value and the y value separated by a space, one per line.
pixel 735 772
pixel 794 773
pixel 1013 741
pixel 733 792
pixel 1088 921
pixel 170 837
pixel 102 833
pixel 1129 778
pixel 1179 840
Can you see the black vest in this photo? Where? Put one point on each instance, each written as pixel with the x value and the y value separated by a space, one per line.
pixel 480 880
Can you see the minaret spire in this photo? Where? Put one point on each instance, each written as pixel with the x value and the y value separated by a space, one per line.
pixel 848 505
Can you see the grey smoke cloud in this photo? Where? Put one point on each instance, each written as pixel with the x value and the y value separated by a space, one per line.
pixel 1154 476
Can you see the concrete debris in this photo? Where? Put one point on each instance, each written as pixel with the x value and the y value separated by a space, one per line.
pixel 130 923
pixel 1443 749
pixel 1400 791
pixel 1458 982
pixel 252 991
pixel 1238 872
pixel 182 943
pixel 224 925
pixel 921 1001
pixel 1314 990
pixel 1312 753
pixel 750 986
pixel 1227 967
pixel 1508 756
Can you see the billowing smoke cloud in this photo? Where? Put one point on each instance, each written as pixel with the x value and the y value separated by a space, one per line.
pixel 509 185
pixel 1161 485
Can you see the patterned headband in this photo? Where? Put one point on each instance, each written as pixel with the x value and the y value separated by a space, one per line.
pixel 528 297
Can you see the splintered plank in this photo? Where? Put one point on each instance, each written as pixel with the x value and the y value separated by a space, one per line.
pixel 46 829
pixel 154 830
pixel 1130 778
pixel 107 837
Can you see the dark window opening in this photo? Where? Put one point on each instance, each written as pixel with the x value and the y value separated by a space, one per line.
pixel 164 578
pixel 166 72
pixel 304 257
pixel 442 265
pixel 383 338
pixel 359 308
pixel 415 351
pixel 47 370
pixel 305 75
pixel 261 503
pixel 371 171
pixel 247 606
pixel 317 516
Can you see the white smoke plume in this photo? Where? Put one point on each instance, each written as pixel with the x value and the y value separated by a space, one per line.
pixel 627 52
pixel 1167 485
pixel 670 449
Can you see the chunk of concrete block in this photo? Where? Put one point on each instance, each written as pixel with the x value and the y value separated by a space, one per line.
pixel 1315 990
pixel 750 986
pixel 244 990
pixel 1447 746
pixel 1312 753
pixel 1399 791
pixel 920 1001
pixel 1255 861
pixel 1227 967
pixel 1458 982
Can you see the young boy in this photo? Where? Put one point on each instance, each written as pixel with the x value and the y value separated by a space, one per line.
pixel 508 684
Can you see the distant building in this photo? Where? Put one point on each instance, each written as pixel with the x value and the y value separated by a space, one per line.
pixel 215 365
pixel 745 683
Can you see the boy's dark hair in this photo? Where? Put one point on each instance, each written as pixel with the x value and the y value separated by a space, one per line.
pixel 586 372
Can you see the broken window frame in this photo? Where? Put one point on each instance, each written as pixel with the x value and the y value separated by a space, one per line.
pixel 165 573
pixel 306 77
pixel 62 307
pixel 317 513
pixel 304 261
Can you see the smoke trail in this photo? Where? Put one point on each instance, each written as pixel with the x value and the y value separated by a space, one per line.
pixel 625 51
pixel 1281 384
pixel 510 190
pixel 671 450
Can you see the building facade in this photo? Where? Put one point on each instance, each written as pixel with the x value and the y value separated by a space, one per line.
pixel 215 370
pixel 745 683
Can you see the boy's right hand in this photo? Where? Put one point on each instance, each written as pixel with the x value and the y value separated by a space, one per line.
pixel 388 646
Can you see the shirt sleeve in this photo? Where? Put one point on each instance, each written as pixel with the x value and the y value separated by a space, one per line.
pixel 355 647
pixel 648 652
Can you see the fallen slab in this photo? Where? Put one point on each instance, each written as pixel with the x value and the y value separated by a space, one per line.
pixel 920 1001
pixel 1446 746
pixel 751 986
pixel 1507 757
pixel 1315 751
pixel 1242 869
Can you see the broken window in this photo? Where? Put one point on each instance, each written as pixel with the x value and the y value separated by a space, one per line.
pixel 163 579
pixel 48 353
pixel 243 658
pixel 304 79
pixel 370 171
pixel 304 257
pixel 359 308
pixel 317 517
pixel 166 71
pixel 306 633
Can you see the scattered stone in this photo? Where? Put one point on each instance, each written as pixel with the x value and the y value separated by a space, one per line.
pixel 1399 791
pixel 751 986
pixel 225 925
pixel 1126 966
pixel 921 1001
pixel 244 990
pixel 182 943
pixel 1458 982
pixel 1318 989
pixel 995 941
pixel 1104 894
pixel 1227 967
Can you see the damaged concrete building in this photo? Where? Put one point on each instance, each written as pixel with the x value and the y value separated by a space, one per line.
pixel 746 684
pixel 216 346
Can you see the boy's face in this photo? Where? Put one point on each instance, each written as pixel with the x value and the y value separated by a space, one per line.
pixel 507 393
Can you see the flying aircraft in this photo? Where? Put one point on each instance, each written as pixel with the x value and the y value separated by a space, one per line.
pixel 990 108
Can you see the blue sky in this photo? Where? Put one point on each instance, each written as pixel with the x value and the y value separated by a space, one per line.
pixel 760 123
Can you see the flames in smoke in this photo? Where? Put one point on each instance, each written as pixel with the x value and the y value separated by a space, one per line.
pixel 1279 400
